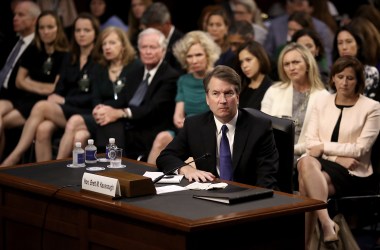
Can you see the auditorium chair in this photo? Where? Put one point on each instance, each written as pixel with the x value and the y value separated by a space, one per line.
pixel 361 211
pixel 283 130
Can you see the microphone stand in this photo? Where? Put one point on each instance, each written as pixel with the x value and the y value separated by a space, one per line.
pixel 180 166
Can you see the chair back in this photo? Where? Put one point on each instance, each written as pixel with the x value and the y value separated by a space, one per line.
pixel 375 156
pixel 283 131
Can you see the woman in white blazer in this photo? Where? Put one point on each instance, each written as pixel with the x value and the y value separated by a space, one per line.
pixel 342 129
pixel 298 90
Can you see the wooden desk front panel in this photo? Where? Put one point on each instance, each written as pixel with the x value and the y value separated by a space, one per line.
pixel 70 226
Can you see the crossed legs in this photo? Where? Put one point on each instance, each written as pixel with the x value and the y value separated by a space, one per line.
pixel 75 131
pixel 9 118
pixel 42 111
pixel 316 184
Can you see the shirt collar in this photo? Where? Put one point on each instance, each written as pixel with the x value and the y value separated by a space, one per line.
pixel 28 39
pixel 152 72
pixel 231 125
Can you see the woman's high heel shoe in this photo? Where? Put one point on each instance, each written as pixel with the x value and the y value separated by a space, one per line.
pixel 333 237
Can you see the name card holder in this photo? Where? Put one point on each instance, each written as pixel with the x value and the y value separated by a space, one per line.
pixel 117 184
pixel 103 185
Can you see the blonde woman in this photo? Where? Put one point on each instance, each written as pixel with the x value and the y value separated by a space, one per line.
pixel 197 53
pixel 298 90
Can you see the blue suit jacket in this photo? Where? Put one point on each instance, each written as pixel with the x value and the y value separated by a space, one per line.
pixel 255 156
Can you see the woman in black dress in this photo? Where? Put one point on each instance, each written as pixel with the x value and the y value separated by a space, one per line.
pixel 253 67
pixel 72 94
pixel 116 58
pixel 39 71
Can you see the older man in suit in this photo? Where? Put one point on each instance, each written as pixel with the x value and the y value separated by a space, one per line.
pixel 149 100
pixel 241 146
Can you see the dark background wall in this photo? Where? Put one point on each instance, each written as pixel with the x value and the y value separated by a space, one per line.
pixel 185 14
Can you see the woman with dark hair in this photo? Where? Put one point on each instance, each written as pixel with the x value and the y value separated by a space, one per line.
pixel 349 42
pixel 342 129
pixel 115 58
pixel 254 67
pixel 72 94
pixel 136 11
pixel 310 39
pixel 38 73
pixel 218 24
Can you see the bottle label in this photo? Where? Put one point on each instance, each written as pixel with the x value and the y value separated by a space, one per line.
pixel 90 155
pixel 80 158
pixel 107 151
pixel 110 151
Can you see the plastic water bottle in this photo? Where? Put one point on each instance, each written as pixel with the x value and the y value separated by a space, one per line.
pixel 78 155
pixel 90 152
pixel 110 147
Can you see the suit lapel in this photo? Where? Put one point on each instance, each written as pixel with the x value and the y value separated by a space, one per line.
pixel 240 140
pixel 155 80
pixel 209 131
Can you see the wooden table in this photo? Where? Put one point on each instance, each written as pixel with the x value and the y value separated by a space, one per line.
pixel 42 207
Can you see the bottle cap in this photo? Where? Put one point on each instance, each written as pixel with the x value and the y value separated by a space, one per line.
pixel 90 141
pixel 111 140
pixel 78 144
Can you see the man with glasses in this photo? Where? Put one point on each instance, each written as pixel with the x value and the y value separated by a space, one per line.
pixel 241 146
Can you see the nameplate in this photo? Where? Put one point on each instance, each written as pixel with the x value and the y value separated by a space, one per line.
pixel 101 184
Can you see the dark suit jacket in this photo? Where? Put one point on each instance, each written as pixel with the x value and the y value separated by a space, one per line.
pixel 255 157
pixel 12 90
pixel 169 56
pixel 155 113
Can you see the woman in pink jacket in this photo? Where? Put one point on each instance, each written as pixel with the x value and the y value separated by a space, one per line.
pixel 342 129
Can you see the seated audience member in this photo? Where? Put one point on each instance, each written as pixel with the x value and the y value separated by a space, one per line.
pixel 342 129
pixel 371 39
pixel 221 133
pixel 349 42
pixel 103 10
pixel 217 26
pixel 310 39
pixel 254 67
pixel 299 89
pixel 158 16
pixel 296 21
pixel 72 94
pixel 325 11
pixel 38 72
pixel 202 20
pixel 247 10
pixel 148 101
pixel 239 33
pixel 117 59
pixel 136 11
pixel 278 29
pixel 25 16
pixel 197 53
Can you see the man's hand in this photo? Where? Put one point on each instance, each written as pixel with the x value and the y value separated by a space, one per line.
pixel 193 174
pixel 104 114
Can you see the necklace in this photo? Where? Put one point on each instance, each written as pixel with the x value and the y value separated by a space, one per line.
pixel 115 70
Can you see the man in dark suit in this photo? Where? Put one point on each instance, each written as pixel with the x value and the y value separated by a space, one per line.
pixel 250 139
pixel 147 112
pixel 24 22
pixel 157 16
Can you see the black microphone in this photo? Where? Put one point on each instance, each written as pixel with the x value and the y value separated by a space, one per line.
pixel 180 166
